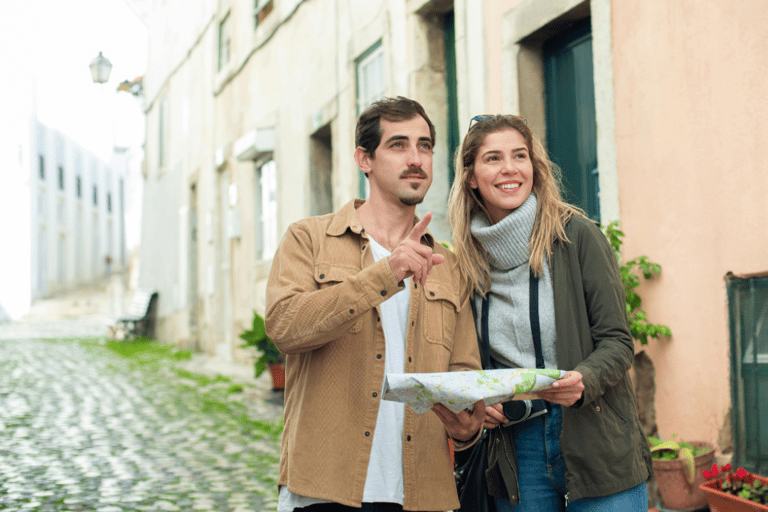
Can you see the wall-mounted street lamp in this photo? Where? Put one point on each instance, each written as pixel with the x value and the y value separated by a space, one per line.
pixel 100 69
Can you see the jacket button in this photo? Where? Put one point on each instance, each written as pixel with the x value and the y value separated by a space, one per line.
pixel 351 311
pixel 383 293
pixel 367 434
pixel 378 356
pixel 597 408
pixel 363 247
pixel 322 276
pixel 415 285
pixel 431 294
pixel 375 394
pixel 409 359
pixel 408 438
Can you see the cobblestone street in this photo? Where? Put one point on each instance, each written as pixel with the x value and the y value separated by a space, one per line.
pixel 83 427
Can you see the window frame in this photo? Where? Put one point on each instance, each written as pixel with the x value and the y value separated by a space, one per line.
pixel 260 12
pixel 745 295
pixel 224 41
pixel 266 208
pixel 162 129
pixel 375 51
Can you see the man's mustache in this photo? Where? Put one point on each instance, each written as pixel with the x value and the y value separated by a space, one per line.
pixel 417 172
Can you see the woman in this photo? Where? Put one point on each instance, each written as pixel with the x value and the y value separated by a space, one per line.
pixel 581 447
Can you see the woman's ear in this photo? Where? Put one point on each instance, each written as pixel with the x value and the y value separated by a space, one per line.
pixel 472 181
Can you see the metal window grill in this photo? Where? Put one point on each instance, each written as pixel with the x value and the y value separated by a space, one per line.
pixel 748 312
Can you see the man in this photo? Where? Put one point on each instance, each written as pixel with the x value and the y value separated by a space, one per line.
pixel 355 295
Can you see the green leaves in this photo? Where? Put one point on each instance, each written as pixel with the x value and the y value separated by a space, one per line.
pixel 257 337
pixel 670 450
pixel 639 326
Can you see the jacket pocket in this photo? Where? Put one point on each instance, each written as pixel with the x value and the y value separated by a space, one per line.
pixel 440 310
pixel 327 275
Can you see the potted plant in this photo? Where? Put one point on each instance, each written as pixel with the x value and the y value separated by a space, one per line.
pixel 678 467
pixel 270 356
pixel 729 491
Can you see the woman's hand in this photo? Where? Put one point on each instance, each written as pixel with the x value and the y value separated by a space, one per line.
pixel 463 426
pixel 494 416
pixel 566 390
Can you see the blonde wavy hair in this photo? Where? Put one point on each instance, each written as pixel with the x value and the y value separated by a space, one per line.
pixel 552 213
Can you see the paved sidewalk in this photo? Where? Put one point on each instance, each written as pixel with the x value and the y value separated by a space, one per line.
pixel 83 428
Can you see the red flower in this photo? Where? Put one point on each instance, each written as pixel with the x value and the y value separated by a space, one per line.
pixel 714 471
pixel 706 474
pixel 727 467
pixel 741 473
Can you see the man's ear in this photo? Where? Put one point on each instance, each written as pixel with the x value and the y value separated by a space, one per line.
pixel 363 159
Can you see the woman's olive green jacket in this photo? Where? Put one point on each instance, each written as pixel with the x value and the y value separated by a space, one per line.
pixel 602 442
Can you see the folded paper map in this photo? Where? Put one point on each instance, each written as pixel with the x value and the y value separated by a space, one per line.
pixel 460 390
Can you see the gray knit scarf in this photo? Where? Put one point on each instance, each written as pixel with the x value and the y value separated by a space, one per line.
pixel 507 246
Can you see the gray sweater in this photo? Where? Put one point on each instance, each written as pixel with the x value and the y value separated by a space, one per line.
pixel 509 326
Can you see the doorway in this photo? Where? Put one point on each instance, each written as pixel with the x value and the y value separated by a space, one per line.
pixel 570 111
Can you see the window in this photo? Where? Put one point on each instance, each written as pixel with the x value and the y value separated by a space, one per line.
pixel 321 170
pixel 369 73
pixel 162 127
pixel 261 10
pixel 225 38
pixel 95 181
pixel 78 173
pixel 370 76
pixel 61 178
pixel 266 209
pixel 41 160
pixel 748 312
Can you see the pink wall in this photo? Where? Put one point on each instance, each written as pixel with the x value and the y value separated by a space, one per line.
pixel 690 96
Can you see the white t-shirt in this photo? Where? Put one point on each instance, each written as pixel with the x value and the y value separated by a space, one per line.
pixel 384 480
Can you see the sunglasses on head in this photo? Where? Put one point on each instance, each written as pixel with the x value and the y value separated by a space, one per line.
pixel 485 117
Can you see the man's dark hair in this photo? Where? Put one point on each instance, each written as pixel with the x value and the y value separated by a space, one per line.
pixel 368 131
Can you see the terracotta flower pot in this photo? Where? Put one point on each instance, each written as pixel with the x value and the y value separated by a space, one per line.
pixel 671 477
pixel 278 376
pixel 720 501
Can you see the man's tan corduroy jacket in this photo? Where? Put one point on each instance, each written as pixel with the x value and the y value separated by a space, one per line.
pixel 323 299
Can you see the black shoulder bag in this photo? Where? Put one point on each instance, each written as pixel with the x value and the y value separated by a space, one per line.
pixel 471 464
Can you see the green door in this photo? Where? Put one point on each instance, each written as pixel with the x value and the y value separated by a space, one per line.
pixel 571 125
pixel 454 137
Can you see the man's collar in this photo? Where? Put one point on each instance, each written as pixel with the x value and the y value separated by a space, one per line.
pixel 347 219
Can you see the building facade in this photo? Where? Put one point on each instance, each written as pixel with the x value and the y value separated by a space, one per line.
pixel 250 126
pixel 63 214
pixel 650 108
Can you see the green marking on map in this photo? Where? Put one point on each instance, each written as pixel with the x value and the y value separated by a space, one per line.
pixel 527 381
pixel 554 374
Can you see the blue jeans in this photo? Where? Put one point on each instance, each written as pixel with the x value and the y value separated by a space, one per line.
pixel 541 473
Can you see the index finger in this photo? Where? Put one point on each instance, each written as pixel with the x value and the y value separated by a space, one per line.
pixel 420 227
